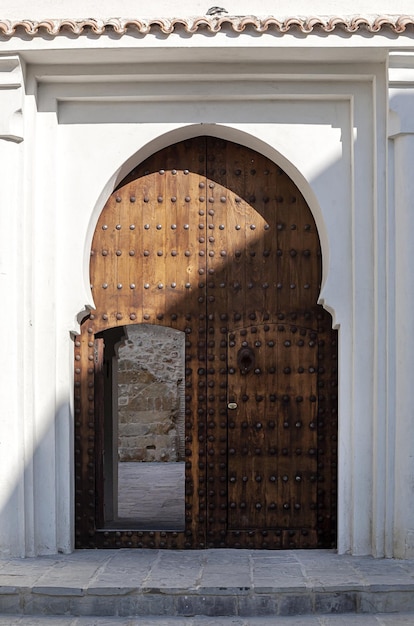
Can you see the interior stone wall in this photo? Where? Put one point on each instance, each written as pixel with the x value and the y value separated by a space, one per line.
pixel 151 394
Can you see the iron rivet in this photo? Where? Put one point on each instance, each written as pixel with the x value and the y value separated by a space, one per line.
pixel 132 253
pixel 173 226
pixel 118 316
pixel 201 198
pixel 173 171
pixel 173 285
pixel 132 316
pixel 146 286
pixel 187 198
pixel 104 316
pixel 221 227
pixel 105 227
pixel 146 226
pixel 186 227
pixel 104 252
pixel 252 227
pixel 187 285
pixel 105 286
pixel 159 253
pixel 132 286
pixel 119 286
pixel 223 199
pixel 173 252
pixel 118 227
pixel 187 253
pixel 146 316
pixel 162 172
pixel 146 199
pixel 160 286
pixel 118 199
pixel 173 199
pixel 159 198
pixel 118 252
pixel 146 252
pixel 186 172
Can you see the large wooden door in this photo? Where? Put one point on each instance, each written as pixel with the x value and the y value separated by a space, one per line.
pixel 213 239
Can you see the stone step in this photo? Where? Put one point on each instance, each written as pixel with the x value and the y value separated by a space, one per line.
pixel 237 584
pixel 383 619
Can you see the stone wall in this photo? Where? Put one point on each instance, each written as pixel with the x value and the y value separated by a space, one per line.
pixel 151 394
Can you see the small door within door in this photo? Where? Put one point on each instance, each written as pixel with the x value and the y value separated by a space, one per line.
pixel 272 430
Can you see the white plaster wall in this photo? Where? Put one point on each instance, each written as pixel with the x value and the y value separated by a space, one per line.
pixel 402 206
pixel 110 8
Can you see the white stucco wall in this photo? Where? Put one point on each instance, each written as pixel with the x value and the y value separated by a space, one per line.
pixel 77 113
pixel 113 8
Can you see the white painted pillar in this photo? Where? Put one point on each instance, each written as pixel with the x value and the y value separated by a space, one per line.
pixel 13 321
pixel 404 331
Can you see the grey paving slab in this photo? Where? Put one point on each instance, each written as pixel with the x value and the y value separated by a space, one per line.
pixel 169 572
pixel 123 570
pixel 226 571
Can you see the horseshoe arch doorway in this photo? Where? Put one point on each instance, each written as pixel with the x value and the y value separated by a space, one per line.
pixel 212 243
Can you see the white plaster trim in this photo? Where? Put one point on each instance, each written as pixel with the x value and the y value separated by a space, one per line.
pixel 350 24
pixel 11 81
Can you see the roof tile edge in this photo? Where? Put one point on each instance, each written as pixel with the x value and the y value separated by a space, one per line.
pixel 397 24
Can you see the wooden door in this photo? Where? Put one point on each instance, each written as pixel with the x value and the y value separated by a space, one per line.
pixel 213 239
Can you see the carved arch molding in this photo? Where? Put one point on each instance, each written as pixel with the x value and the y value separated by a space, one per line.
pixel 213 239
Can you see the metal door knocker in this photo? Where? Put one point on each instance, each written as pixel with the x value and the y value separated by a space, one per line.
pixel 245 360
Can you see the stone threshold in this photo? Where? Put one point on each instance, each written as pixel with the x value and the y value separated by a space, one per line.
pixel 239 583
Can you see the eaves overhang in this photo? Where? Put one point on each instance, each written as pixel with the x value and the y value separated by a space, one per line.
pixel 371 24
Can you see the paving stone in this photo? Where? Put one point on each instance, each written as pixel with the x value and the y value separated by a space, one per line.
pixel 296 604
pixel 206 605
pixel 258 605
pixel 387 601
pixel 336 602
pixel 170 572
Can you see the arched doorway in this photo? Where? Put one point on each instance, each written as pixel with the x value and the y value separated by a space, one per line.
pixel 213 239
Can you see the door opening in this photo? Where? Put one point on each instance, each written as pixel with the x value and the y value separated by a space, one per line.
pixel 142 451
